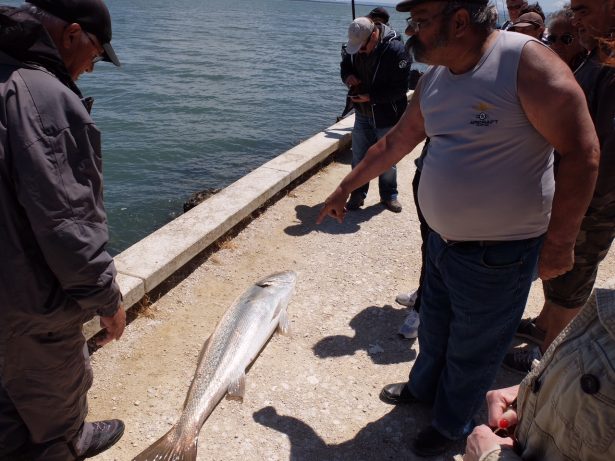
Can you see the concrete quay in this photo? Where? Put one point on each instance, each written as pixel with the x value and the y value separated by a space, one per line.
pixel 310 396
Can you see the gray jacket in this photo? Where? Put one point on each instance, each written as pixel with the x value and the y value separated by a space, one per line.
pixel 54 268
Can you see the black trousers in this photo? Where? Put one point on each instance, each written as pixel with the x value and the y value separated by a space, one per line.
pixel 424 228
pixel 44 380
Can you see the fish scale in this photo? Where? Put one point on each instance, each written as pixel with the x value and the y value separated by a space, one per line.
pixel 240 335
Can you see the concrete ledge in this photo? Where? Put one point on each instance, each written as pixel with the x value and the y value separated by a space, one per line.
pixel 160 254
pixel 150 261
pixel 311 152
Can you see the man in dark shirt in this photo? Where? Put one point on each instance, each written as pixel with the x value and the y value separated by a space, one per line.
pixel 375 69
pixel 55 272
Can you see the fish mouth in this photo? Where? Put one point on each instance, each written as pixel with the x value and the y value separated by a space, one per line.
pixel 278 278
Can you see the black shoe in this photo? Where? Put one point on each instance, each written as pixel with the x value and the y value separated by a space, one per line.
pixel 527 329
pixel 521 359
pixel 99 436
pixel 429 442
pixel 355 202
pixel 397 394
pixel 392 205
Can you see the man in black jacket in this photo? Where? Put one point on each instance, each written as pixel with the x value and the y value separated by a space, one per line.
pixel 55 272
pixel 375 69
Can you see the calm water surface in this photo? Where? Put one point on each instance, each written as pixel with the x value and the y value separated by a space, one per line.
pixel 208 91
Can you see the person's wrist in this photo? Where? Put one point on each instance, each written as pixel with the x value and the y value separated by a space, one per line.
pixel 489 451
pixel 343 189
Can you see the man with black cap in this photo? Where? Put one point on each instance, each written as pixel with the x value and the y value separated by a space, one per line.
pixel 55 272
pixel 375 69
pixel 494 104
pixel 379 15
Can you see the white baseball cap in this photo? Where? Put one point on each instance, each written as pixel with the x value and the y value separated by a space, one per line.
pixel 358 32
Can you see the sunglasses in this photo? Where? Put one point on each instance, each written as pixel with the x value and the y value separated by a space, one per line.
pixel 566 39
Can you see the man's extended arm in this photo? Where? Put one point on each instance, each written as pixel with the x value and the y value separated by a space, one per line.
pixel 389 150
pixel 555 105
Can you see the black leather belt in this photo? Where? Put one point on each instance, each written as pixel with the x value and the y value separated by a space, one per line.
pixel 475 243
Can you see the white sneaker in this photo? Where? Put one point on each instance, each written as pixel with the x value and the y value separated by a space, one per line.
pixel 406 299
pixel 410 328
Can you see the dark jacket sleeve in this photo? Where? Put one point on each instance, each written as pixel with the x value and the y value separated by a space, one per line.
pixel 346 66
pixel 57 170
pixel 392 76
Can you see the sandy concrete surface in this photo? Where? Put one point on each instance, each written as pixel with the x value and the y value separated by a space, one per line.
pixel 311 396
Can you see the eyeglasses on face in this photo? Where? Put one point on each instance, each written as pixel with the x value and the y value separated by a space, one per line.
pixel 566 38
pixel 99 57
pixel 418 25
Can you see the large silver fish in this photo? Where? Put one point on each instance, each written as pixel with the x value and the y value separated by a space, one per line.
pixel 240 335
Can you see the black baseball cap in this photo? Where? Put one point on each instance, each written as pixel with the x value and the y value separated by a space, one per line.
pixel 379 12
pixel 406 5
pixel 92 15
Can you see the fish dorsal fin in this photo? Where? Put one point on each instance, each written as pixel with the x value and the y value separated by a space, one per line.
pixel 284 323
pixel 201 354
pixel 237 388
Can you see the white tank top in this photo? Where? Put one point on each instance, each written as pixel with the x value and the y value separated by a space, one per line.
pixel 488 174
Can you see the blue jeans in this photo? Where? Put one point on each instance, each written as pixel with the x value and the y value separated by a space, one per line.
pixel 472 301
pixel 364 135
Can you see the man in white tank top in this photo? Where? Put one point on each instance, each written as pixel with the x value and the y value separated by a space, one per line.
pixel 494 104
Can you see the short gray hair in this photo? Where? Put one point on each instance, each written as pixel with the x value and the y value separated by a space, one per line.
pixel 565 14
pixel 482 16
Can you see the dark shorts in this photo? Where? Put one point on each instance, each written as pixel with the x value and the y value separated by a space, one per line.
pixel 573 289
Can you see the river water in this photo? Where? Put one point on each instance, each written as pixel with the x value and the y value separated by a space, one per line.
pixel 208 91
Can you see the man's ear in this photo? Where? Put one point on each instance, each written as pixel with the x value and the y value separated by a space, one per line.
pixel 461 22
pixel 71 35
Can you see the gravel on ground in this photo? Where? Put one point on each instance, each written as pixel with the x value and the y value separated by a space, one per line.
pixel 311 396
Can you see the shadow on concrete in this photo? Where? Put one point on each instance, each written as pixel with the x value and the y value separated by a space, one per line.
pixel 376 333
pixel 344 157
pixel 352 222
pixel 388 438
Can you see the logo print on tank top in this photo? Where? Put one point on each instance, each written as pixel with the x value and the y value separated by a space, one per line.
pixel 483 118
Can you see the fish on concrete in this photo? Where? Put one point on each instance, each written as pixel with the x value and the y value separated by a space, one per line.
pixel 238 338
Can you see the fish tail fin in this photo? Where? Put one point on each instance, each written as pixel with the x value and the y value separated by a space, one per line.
pixel 173 446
